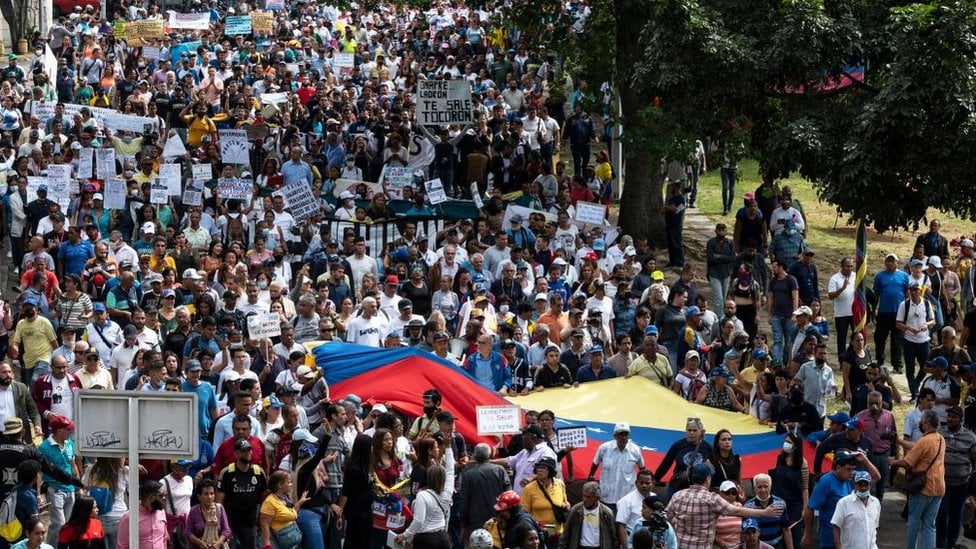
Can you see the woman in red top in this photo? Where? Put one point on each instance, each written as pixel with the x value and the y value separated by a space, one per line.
pixel 83 530
pixel 579 191
pixel 385 467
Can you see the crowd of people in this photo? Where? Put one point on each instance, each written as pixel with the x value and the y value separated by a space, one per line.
pixel 153 292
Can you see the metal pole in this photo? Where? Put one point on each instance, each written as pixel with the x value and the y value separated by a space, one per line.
pixel 133 472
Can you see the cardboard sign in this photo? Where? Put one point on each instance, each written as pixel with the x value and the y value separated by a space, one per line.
pixel 143 31
pixel 203 172
pixel 590 213
pixel 263 326
pixel 444 102
pixel 256 132
pixel 193 195
pixel 351 184
pixel 395 179
pixel 300 200
pixel 114 194
pixel 571 437
pixel 478 202
pixel 499 420
pixel 194 21
pixel 262 21
pixel 274 98
pixel 158 193
pixel 237 24
pixel 234 148
pixel 435 191
pixel 229 188
pixel 59 172
pixel 105 160
pixel 171 175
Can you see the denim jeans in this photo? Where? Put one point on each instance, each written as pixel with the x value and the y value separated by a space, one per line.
pixel 915 353
pixel 880 461
pixel 949 520
pixel 728 188
pixel 310 523
pixel 246 537
pixel 60 509
pixel 110 525
pixel 720 287
pixel 784 331
pixel 922 511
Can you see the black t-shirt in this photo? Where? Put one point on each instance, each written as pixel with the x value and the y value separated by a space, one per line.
pixel 545 377
pixel 242 492
pixel 782 290
pixel 858 366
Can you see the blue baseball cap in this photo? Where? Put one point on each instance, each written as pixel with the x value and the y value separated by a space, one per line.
pixel 99 307
pixel 839 417
pixel 853 424
pixel 701 472
pixel 750 524
pixel 759 354
pixel 862 476
pixel 651 330
pixel 968 367
pixel 692 311
pixel 596 349
pixel 31 302
pixel 938 362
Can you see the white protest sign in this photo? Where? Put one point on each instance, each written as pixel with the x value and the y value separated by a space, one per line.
pixel 237 24
pixel 263 326
pixel 59 172
pixel 435 191
pixel 300 200
pixel 274 98
pixel 195 21
pixel 105 161
pixel 114 194
pixel 34 183
pixel 513 209
pixel 590 213
pixel 444 102
pixel 59 190
pixel 351 184
pixel 395 179
pixel 202 172
pixel 171 175
pixel 233 146
pixel 498 420
pixel 229 188
pixel 174 147
pixel 85 156
pixel 158 193
pixel 150 52
pixel 274 5
pixel 574 437
pixel 193 195
pixel 478 202
pixel 345 61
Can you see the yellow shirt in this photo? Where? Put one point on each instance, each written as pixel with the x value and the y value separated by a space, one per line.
pixel 536 504
pixel 281 515
pixel 157 265
pixel 35 340
pixel 196 128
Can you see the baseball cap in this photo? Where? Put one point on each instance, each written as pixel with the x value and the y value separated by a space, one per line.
pixel 304 371
pixel 895 256
pixel 442 336
pixel 392 279
pixel 938 362
pixel 534 430
pixel 13 425
pixel 692 311
pixel 241 445
pixel 621 428
pixel 700 472
pixel 839 417
pixel 650 330
pixel 193 365
pixel 541 297
pixel 381 408
pixel 803 310
pixel 596 349
pixel 130 331
pixel 966 243
pixel 759 354
pixel 304 435
pixel 657 276
pixel 517 218
pixel 99 307
pixel 853 424
pixel 749 524
pixel 149 227
pixel 727 485
pixel 192 274
pixel 692 354
pixel 862 476
pixel 935 261
pixel 61 422
pixel 559 262
pixel 629 251
pixel 916 263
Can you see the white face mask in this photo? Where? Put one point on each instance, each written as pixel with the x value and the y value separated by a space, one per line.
pixel 863 494
pixel 788 447
pixel 762 498
pixel 503 308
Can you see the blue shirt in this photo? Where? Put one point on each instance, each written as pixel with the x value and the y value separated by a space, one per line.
pixel 59 458
pixel 75 256
pixel 890 289
pixel 482 371
pixel 206 401
pixel 586 373
pixel 296 171
pixel 826 494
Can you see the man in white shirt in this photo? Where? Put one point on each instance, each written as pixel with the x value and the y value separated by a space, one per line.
pixel 523 463
pixel 121 359
pixel 360 263
pixel 915 317
pixel 102 334
pixel 621 459
pixel 840 290
pixel 389 303
pixel 148 339
pixel 786 212
pixel 368 328
pixel 253 304
pixel 629 506
pixel 857 516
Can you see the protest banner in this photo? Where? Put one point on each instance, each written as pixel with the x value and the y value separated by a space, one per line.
pixel 262 21
pixel 105 162
pixel 193 195
pixel 234 148
pixel 571 437
pixel 590 213
pixel 237 24
pixel 395 179
pixel 263 326
pixel 444 102
pixel 171 175
pixel 351 184
pixel 158 193
pixel 274 98
pixel 118 29
pixel 202 172
pixel 183 47
pixel 229 188
pixel 345 62
pixel 143 31
pixel 300 200
pixel 114 192
pixel 257 132
pixel 274 5
pixel 498 420
pixel 193 21
pixel 435 191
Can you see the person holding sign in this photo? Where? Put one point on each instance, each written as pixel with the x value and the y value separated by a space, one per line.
pixel 534 450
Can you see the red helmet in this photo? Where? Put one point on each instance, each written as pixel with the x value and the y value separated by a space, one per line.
pixel 507 500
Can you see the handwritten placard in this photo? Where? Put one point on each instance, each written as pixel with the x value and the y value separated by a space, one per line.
pixel 58 173
pixel 263 326
pixel 234 147
pixel 345 62
pixel 171 175
pixel 498 420
pixel 300 200
pixel 85 162
pixel 203 172
pixel 590 213
pixel 150 52
pixel 262 21
pixel 114 194
pixel 395 179
pixel 230 188
pixel 105 161
pixel 571 437
pixel 158 193
pixel 195 21
pixel 444 102
pixel 274 5
pixel 435 191
pixel 193 195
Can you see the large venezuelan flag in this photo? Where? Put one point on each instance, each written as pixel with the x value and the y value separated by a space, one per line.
pixel 656 415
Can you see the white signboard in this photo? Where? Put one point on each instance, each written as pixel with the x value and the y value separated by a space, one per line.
pixel 193 195
pixel 499 420
pixel 300 200
pixel 345 61
pixel 168 425
pixel 263 326
pixel 114 194
pixel 395 179
pixel 441 102
pixel 171 175
pixel 105 162
pixel 59 172
pixel 571 437
pixel 150 52
pixel 202 171
pixel 435 191
pixel 274 98
pixel 195 21
pixel 233 146
pixel 85 163
pixel 229 188
pixel 590 213
pixel 476 196
pixel 158 193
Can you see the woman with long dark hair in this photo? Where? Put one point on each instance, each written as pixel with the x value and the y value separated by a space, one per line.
pixel 726 463
pixel 107 479
pixel 83 529
pixel 792 483
pixel 357 494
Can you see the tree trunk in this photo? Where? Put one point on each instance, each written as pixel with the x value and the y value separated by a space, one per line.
pixel 642 202
pixel 9 12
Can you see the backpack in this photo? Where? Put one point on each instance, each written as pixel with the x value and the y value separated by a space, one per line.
pixel 104 497
pixel 10 527
pixel 694 387
pixel 235 229
pixel 928 309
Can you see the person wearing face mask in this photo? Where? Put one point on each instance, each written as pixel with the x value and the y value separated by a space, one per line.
pixel 792 482
pixel 427 424
pixel 153 532
pixel 857 516
pixel 850 439
pixel 828 491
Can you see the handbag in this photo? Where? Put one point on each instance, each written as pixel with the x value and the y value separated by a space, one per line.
pixel 289 537
pixel 915 480
pixel 560 513
pixel 177 540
